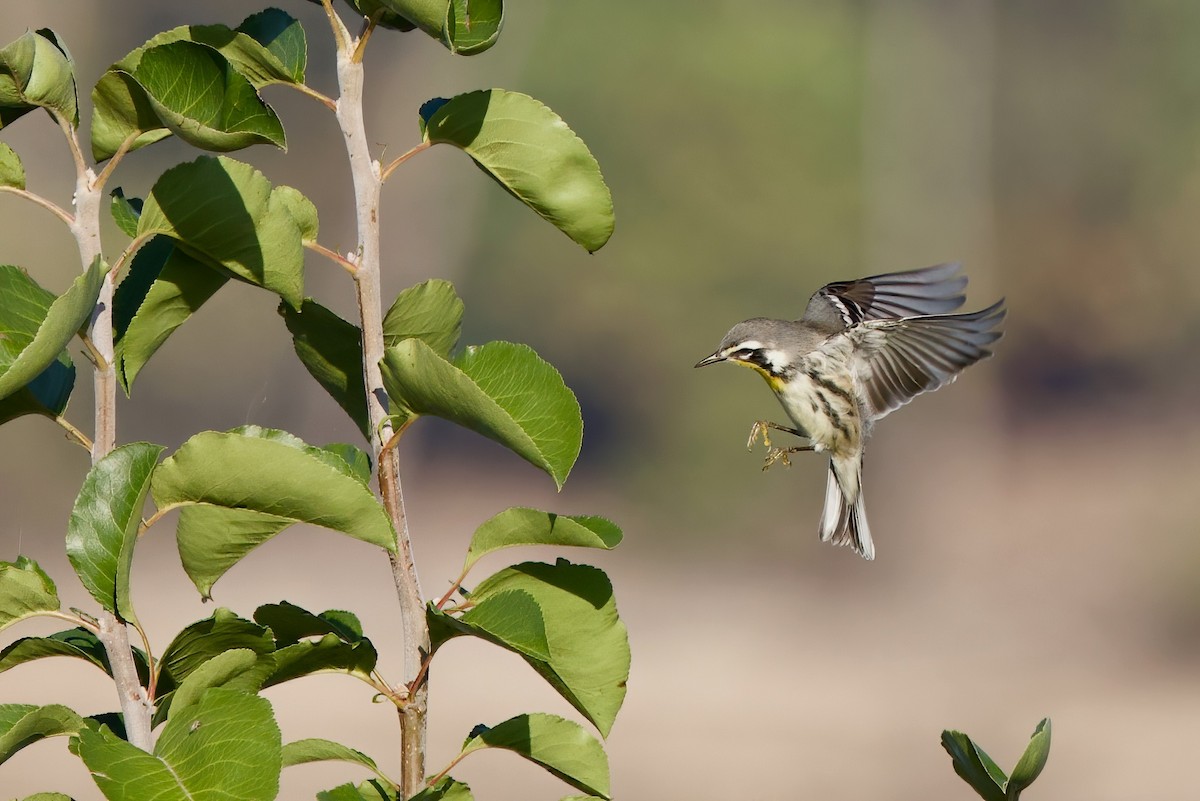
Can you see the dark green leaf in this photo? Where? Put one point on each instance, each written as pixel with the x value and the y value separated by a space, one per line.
pixel 23 306
pixel 330 654
pixel 226 746
pixel 165 286
pixel 25 724
pixel 512 620
pixel 371 790
pixel 560 746
pixel 33 335
pixel 37 72
pixel 205 639
pixel 431 312
pixel 331 349
pixel 974 766
pixel 78 643
pixel 12 172
pixel 588 645
pixel 290 624
pixel 503 391
pixel 519 526
pixel 252 486
pixel 243 225
pixel 447 789
pixel 125 211
pixel 25 591
pixel 282 36
pixel 465 27
pixel 104 524
pixel 45 395
pixel 318 750
pixel 1030 765
pixel 531 152
pixel 240 669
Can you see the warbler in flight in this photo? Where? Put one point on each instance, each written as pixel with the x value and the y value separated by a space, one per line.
pixel 862 349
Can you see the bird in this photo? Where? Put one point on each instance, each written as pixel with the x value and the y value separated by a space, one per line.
pixel 862 349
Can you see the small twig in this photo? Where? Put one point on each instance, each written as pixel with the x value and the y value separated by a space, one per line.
pixel 415 684
pixel 453 588
pixel 74 433
pixel 48 205
pixel 368 28
pixel 323 99
pixel 149 660
pixel 437 778
pixel 102 178
pixel 335 257
pixel 154 518
pixel 129 252
pixel 72 142
pixel 403 158
pixel 93 352
pixel 78 621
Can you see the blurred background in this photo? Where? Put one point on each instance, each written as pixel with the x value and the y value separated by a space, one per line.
pixel 1036 522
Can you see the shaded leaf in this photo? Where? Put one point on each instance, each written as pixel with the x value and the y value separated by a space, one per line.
pixel 250 487
pixel 521 526
pixel 447 789
pixel 503 391
pixel 282 36
pixel 77 642
pixel 104 524
pixel 430 311
pixel 205 639
pixel 25 591
pixel 33 335
pixel 25 724
pixel 331 350
pixel 290 623
pixel 37 72
pixel 560 746
pixel 1031 763
pixel 974 766
pixel 530 151
pixel 244 226
pixel 330 654
pixel 12 172
pixel 316 749
pixel 226 746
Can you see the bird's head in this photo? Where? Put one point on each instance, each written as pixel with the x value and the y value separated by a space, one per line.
pixel 758 343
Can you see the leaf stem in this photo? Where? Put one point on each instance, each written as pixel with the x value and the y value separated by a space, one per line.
pixel 78 621
pixel 403 157
pixel 74 433
pixel 453 588
pixel 368 28
pixel 333 256
pixel 45 203
pixel 106 173
pixel 323 99
pixel 446 770
pixel 149 659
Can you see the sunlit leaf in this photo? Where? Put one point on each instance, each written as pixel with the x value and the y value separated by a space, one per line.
pixel 25 724
pixel 12 172
pixel 562 747
pixel 520 526
pixel 37 72
pixel 974 766
pixel 430 311
pixel 1031 763
pixel 205 639
pixel 78 643
pixel 25 591
pixel 316 749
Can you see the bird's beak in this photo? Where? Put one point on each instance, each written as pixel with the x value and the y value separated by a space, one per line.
pixel 716 357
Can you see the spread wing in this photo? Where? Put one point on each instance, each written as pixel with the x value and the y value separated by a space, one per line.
pixel 900 359
pixel 932 290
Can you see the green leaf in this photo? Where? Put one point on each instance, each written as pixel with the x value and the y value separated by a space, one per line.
pixel 560 746
pixel 521 526
pixel 290 623
pixel 23 307
pixel 317 750
pixel 218 107
pixel 239 668
pixel 25 724
pixel 588 662
pixel 446 789
pixel 32 339
pixel 302 210
pixel 503 391
pixel 37 72
pixel 243 489
pixel 25 591
pixel 47 797
pixel 242 225
pixel 431 311
pixel 12 172
pixel 79 643
pixel 164 287
pixel 330 654
pixel 512 620
pixel 125 211
pixel 331 350
pixel 205 639
pixel 465 27
pixel 974 766
pixel 1030 765
pixel 46 395
pixel 531 152
pixel 104 524
pixel 226 746
pixel 371 790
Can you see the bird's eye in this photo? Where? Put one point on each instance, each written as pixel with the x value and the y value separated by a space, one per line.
pixel 744 354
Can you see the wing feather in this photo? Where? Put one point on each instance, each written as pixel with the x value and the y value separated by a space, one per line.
pixel 931 290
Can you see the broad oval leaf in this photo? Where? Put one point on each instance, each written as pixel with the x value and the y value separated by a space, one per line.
pixel 165 286
pixel 465 27
pixel 330 654
pixel 330 348
pixel 243 225
pixel 974 766
pixel 522 526
pixel 588 661
pixel 283 37
pixel 315 749
pixel 503 391
pixel 238 668
pixel 562 747
pixel 430 311
pixel 225 746
pixel 25 724
pixel 78 643
pixel 25 591
pixel 290 624
pixel 37 72
pixel 12 172
pixel 512 620
pixel 205 639
pixel 31 340
pixel 531 152
pixel 104 523
pixel 1031 763
pixel 249 487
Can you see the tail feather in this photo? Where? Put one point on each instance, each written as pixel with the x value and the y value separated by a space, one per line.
pixel 844 521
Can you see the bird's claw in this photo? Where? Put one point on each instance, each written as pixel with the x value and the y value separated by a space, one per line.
pixel 778 455
pixel 759 429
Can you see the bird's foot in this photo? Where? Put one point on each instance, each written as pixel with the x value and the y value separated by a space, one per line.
pixel 781 455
